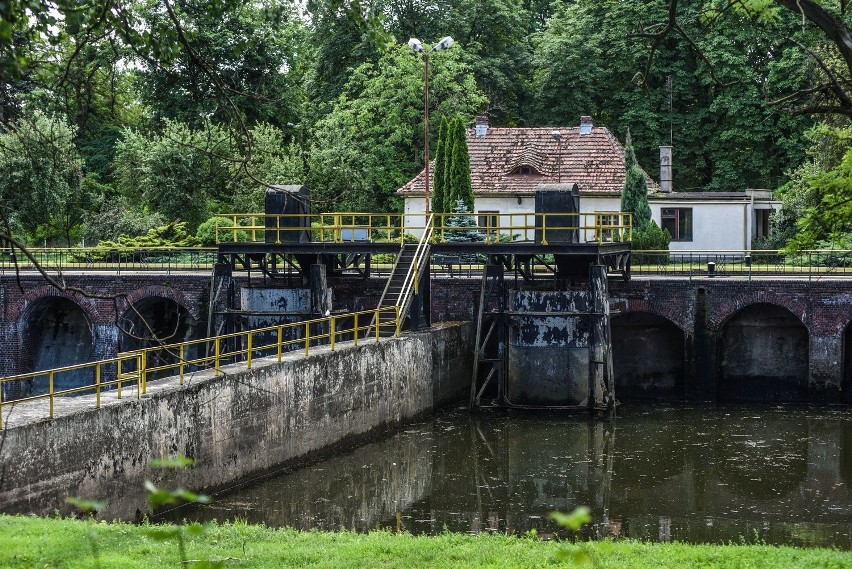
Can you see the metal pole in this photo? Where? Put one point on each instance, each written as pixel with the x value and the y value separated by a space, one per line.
pixel 426 98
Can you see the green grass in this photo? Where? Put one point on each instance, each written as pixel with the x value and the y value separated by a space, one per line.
pixel 27 541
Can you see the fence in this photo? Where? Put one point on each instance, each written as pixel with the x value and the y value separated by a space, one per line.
pixel 133 369
pixel 487 228
pixel 756 263
pixel 159 259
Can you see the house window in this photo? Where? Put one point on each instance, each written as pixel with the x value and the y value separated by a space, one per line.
pixel 678 221
pixel 489 222
pixel 525 170
pixel 761 222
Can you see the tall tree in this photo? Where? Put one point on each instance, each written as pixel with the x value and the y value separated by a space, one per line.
pixel 180 173
pixel 724 135
pixel 41 178
pixel 458 182
pixel 372 141
pixel 438 181
pixel 634 195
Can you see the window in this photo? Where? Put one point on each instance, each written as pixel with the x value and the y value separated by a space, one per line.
pixel 525 170
pixel 761 222
pixel 678 221
pixel 489 222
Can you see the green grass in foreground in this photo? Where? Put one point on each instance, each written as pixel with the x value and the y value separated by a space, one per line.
pixel 39 542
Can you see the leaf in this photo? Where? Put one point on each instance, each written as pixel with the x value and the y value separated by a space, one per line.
pixel 86 506
pixel 573 521
pixel 162 534
pixel 178 461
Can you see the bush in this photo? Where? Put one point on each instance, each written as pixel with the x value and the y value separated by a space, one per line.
pixel 652 238
pixel 207 232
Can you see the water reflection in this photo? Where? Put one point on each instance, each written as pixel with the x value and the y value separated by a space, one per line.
pixel 697 475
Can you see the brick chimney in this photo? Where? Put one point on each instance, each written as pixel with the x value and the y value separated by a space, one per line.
pixel 481 125
pixel 585 125
pixel 666 169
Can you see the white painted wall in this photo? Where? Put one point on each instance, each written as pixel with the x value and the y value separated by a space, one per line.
pixel 716 225
pixel 522 213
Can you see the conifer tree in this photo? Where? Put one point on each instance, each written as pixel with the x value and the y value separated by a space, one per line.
pixel 459 185
pixel 439 204
pixel 634 195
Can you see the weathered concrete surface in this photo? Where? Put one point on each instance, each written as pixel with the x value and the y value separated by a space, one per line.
pixel 559 346
pixel 237 424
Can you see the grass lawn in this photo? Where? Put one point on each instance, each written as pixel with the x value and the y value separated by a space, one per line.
pixel 27 541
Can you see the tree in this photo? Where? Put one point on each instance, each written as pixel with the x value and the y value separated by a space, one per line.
pixel 725 137
pixel 41 178
pixel 438 180
pixel 634 196
pixel 830 220
pixel 180 173
pixel 372 141
pixel 269 160
pixel 458 180
pixel 827 42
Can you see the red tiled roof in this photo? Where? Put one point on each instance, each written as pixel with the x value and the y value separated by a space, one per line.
pixel 594 161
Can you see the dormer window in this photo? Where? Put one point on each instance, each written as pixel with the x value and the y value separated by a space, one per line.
pixel 525 170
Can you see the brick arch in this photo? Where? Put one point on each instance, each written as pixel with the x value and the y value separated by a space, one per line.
pixel 681 319
pixel 728 308
pixel 181 298
pixel 92 309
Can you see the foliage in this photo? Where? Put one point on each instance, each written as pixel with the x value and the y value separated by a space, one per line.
pixel 830 220
pixel 462 227
pixel 117 216
pixel 458 185
pixel 216 230
pixel 371 142
pixel 176 173
pixel 255 52
pixel 28 541
pixel 809 184
pixel 634 195
pixel 172 235
pixel 267 160
pixel 651 238
pixel 438 180
pixel 725 138
pixel 41 177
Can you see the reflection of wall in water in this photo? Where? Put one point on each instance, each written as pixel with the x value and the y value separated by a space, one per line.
pixel 355 491
pixel 516 471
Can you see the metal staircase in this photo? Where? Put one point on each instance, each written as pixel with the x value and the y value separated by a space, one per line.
pixel 404 282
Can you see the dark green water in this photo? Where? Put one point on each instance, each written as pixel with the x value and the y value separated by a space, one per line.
pixel 759 474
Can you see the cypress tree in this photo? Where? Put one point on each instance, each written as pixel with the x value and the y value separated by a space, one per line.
pixel 634 195
pixel 459 179
pixel 439 204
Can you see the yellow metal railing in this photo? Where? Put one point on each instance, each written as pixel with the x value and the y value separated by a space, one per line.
pixel 599 227
pixel 133 369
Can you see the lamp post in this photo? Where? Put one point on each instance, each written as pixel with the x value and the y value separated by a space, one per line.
pixel 417 47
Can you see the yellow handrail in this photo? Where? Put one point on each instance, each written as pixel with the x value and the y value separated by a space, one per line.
pixel 249 344
pixel 345 227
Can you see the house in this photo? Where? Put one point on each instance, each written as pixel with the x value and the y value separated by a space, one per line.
pixel 508 165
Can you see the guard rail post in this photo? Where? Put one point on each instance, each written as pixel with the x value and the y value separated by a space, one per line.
pixel 248 350
pixel 50 391
pixel 97 385
pixel 355 326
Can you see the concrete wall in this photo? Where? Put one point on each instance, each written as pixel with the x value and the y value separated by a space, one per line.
pixel 241 423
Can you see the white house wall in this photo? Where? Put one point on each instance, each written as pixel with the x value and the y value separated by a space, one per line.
pixel 520 222
pixel 716 226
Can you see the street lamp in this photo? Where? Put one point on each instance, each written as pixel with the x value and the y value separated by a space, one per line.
pixel 417 47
